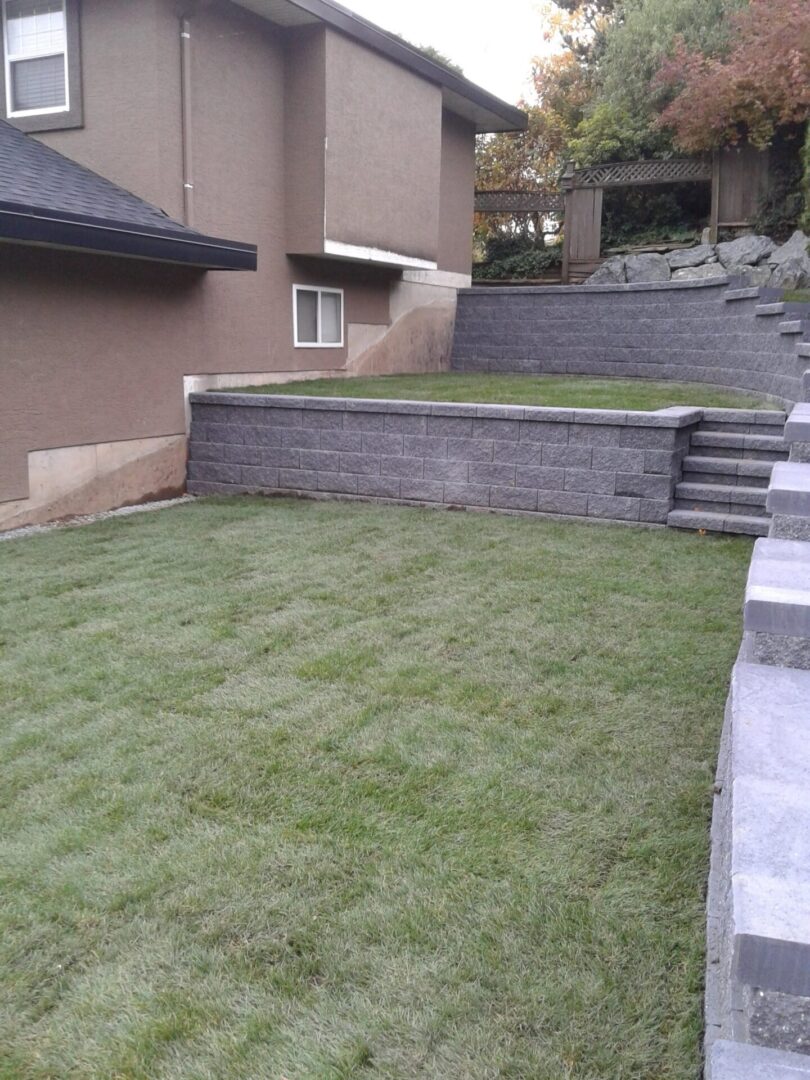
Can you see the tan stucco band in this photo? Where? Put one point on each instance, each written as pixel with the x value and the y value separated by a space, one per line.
pixel 73 480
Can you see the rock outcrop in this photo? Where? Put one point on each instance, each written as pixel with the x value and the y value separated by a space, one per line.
pixel 749 260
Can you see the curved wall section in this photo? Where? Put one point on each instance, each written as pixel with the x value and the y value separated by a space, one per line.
pixel 689 332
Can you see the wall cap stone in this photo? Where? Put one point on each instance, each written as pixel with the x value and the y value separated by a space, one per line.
pixel 742 1061
pixel 590 290
pixel 777 597
pixel 789 491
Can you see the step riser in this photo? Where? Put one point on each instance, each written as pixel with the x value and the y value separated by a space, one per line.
pixel 776 431
pixel 730 453
pixel 719 523
pixel 730 479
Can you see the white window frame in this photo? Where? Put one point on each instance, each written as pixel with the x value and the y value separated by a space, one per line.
pixel 320 290
pixel 8 60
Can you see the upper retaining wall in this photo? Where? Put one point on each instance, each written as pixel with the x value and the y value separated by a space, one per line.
pixel 572 462
pixel 687 331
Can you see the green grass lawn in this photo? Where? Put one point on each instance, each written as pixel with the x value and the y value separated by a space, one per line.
pixel 562 391
pixel 323 790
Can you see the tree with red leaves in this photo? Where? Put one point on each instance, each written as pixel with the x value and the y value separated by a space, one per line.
pixel 762 83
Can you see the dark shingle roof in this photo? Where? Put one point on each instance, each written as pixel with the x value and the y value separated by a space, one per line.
pixel 33 174
pixel 48 199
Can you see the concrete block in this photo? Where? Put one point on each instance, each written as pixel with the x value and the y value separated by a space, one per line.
pixel 253 477
pixel 789 491
pixel 426 446
pixel 422 490
pixel 379 487
pixel 470 449
pixel 662 462
pixel 405 424
pixel 376 443
pixel 363 421
pixel 588 480
pixel 279 417
pixel 323 421
pixel 497 429
pixel 614 508
pixel 568 503
pixel 320 460
pixel 569 457
pixel 777 597
pixel 770 890
pixel 453 408
pixel 500 412
pixel 466 494
pixel 458 427
pixel 647 438
pixel 770 718
pixel 742 1061
pixel 626 461
pixel 786 527
pixel 349 441
pixel 519 453
pixel 532 476
pixel 204 451
pixel 654 511
pixel 644 486
pixel 411 467
pixel 456 472
pixel 302 438
pixel 543 431
pixel 215 472
pixel 298 479
pixel 242 455
pixel 341 483
pixel 277 457
pixel 797 428
pixel 367 464
pixel 594 435
pixel 513 498
pixel 485 472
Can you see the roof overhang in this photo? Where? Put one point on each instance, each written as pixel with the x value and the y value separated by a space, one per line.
pixel 54 229
pixel 461 96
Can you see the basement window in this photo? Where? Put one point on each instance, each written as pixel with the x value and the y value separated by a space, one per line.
pixel 40 72
pixel 317 317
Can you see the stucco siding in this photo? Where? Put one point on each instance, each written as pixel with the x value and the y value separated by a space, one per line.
pixel 383 156
pixel 457 194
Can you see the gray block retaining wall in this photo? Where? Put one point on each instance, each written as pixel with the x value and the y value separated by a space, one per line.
pixel 685 331
pixel 577 463
pixel 758 940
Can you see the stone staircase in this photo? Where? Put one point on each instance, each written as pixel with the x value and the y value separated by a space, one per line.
pixel 727 470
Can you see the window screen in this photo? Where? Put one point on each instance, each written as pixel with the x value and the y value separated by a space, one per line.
pixel 307 316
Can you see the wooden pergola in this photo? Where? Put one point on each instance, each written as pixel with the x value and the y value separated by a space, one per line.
pixel 738 176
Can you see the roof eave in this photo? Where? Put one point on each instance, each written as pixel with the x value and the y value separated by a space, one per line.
pixel 39 227
pixel 486 110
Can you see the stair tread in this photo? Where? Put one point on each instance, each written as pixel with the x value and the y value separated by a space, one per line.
pixel 725 523
pixel 769 309
pixel 739 440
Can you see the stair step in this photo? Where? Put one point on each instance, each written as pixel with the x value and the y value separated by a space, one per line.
pixel 731 440
pixel 791 326
pixel 728 466
pixel 721 523
pixel 727 493
pixel 769 309
pixel 751 293
pixel 804 348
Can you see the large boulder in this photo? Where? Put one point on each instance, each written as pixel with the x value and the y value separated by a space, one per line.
pixel 694 256
pixel 795 246
pixel 790 263
pixel 646 267
pixel 749 276
pixel 745 250
pixel 698 273
pixel 611 272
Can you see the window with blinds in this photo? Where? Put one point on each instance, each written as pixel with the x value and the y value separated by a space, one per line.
pixel 35 38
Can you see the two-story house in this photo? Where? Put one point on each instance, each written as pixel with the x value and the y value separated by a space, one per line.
pixel 314 177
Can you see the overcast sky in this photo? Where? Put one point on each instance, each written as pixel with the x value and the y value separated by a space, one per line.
pixel 493 42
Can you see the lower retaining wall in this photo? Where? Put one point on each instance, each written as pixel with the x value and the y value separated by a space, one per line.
pixel 577 463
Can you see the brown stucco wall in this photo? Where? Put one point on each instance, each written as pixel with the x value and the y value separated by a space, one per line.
pixel 383 157
pixel 95 350
pixel 457 194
